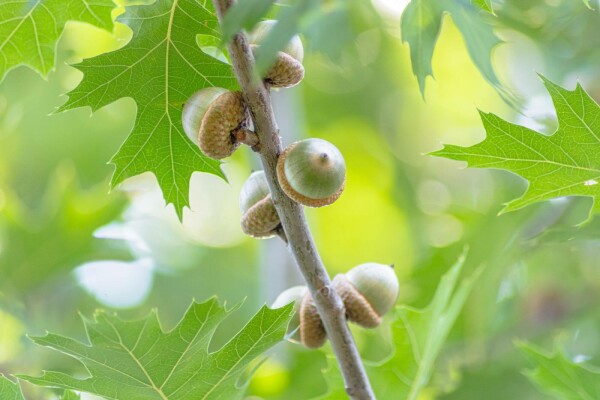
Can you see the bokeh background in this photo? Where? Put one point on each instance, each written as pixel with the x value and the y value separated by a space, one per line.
pixel 68 246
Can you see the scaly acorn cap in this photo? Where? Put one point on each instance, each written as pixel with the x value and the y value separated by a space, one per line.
pixel 312 331
pixel 368 291
pixel 312 172
pixel 195 109
pixel 259 218
pixel 287 70
pixel 226 114
pixel 294 294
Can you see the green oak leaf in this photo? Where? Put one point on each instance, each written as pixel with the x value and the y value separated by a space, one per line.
pixel 137 360
pixel 159 68
pixel 566 163
pixel 418 339
pixel 10 390
pixel 420 27
pixel 29 30
pixel 563 379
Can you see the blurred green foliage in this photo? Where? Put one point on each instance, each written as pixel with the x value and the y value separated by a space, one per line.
pixel 540 276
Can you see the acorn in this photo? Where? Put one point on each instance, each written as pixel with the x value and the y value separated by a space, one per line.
pixel 259 216
pixel 312 172
pixel 305 326
pixel 217 120
pixel 368 291
pixel 287 70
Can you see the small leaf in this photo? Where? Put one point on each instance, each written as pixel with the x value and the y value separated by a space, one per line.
pixel 160 68
pixel 566 163
pixel 556 375
pixel 421 24
pixel 29 30
pixel 137 360
pixel 10 390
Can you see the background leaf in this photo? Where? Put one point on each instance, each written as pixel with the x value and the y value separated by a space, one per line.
pixel 9 390
pixel 421 24
pixel 137 360
pixel 560 377
pixel 160 68
pixel 29 30
pixel 563 164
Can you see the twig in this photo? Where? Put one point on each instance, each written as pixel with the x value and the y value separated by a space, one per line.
pixel 293 221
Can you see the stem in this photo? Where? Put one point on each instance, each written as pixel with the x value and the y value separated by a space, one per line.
pixel 293 221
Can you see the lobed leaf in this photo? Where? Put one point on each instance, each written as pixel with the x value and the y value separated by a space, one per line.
pixel 160 69
pixel 29 30
pixel 138 360
pixel 563 379
pixel 566 163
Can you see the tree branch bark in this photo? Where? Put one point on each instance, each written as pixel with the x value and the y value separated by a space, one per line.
pixel 291 214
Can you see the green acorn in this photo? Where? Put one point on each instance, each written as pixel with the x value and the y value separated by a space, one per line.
pixel 259 216
pixel 312 172
pixel 216 120
pixel 287 70
pixel 368 291
pixel 305 326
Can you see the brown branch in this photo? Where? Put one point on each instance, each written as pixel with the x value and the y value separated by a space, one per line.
pixel 293 221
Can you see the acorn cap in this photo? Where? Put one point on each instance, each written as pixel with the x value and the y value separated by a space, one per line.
pixel 195 109
pixel 312 172
pixel 294 294
pixel 312 331
pixel 261 220
pixel 358 309
pixel 254 189
pixel 224 115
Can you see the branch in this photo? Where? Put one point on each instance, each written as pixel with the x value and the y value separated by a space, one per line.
pixel 293 221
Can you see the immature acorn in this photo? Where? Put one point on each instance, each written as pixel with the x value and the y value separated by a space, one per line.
pixel 368 291
pixel 216 120
pixel 287 70
pixel 306 323
pixel 259 216
pixel 312 172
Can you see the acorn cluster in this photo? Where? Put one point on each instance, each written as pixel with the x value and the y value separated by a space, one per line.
pixel 311 172
pixel 368 291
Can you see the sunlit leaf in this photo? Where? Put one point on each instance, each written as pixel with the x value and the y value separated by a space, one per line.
pixel 563 379
pixel 160 68
pixel 567 163
pixel 29 30
pixel 138 360
pixel 421 24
